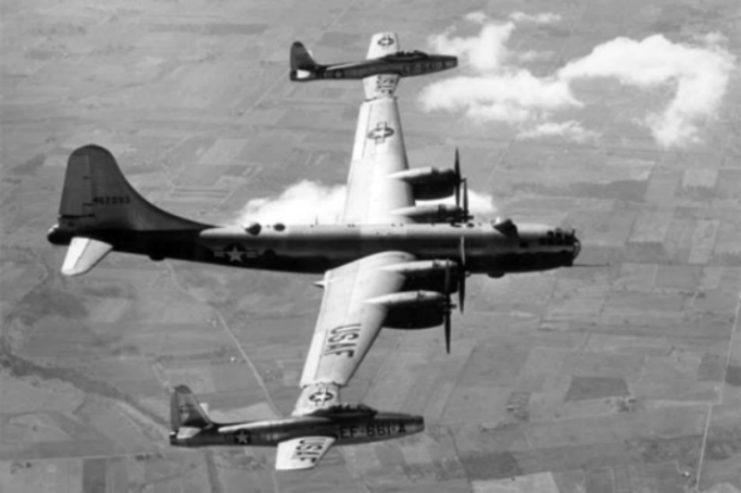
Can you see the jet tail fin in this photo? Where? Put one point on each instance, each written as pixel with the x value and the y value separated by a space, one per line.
pixel 303 64
pixel 185 410
pixel 83 254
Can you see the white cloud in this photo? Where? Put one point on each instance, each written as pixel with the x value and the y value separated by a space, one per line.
pixel 569 130
pixel 498 89
pixel 307 202
pixel 515 96
pixel 698 74
pixel 485 52
pixel 477 17
pixel 544 18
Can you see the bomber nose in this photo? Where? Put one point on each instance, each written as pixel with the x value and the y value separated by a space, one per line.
pixel 577 246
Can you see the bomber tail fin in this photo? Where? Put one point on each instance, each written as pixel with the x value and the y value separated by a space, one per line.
pixel 186 411
pixel 303 64
pixel 100 211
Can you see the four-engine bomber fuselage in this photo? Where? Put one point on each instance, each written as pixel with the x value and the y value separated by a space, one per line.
pixel 491 248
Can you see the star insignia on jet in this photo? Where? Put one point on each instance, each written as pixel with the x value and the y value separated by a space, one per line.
pixel 321 396
pixel 381 132
pixel 386 40
pixel 235 253
pixel 243 437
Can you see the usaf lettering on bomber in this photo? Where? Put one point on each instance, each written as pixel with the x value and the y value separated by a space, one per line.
pixel 391 261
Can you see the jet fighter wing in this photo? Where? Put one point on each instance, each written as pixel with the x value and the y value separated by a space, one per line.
pixel 378 152
pixel 349 320
pixel 383 44
pixel 302 452
pixel 381 85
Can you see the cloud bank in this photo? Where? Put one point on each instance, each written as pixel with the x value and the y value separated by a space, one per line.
pixel 499 89
pixel 308 202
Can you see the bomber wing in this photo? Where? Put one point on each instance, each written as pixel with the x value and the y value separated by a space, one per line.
pixel 302 453
pixel 348 323
pixel 378 152
pixel 381 85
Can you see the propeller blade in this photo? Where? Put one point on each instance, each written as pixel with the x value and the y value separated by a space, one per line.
pixel 447 329
pixel 466 216
pixel 447 278
pixel 462 274
pixel 457 165
pixel 457 169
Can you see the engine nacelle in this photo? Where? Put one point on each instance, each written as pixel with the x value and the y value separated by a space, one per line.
pixel 432 213
pixel 413 309
pixel 428 275
pixel 429 183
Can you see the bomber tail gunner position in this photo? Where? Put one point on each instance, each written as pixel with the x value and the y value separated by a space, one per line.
pixel 301 440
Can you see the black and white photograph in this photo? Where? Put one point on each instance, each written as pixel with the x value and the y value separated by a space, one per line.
pixel 370 246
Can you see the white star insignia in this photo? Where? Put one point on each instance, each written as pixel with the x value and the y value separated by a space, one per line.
pixel 243 437
pixel 234 254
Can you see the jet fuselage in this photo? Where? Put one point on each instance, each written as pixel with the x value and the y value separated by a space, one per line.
pixel 402 64
pixel 346 429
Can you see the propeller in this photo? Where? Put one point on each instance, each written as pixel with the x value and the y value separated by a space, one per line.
pixel 466 215
pixel 458 179
pixel 462 273
pixel 448 308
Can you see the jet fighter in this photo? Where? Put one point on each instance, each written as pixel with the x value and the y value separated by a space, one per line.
pixel 390 261
pixel 389 61
pixel 301 440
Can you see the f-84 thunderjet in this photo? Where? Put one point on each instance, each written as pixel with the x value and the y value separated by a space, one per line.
pixel 301 440
pixel 384 58
pixel 389 262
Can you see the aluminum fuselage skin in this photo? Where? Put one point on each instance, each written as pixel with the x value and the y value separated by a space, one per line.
pixel 318 248
pixel 404 65
pixel 346 430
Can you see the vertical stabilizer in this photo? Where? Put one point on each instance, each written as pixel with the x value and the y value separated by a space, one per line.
pixel 186 411
pixel 96 193
pixel 303 65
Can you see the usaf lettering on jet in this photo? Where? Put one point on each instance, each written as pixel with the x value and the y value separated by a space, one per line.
pixel 309 449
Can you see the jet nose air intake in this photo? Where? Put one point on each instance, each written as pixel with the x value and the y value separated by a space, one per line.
pixel 416 424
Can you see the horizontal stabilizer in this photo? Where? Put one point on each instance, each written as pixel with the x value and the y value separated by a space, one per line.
pixel 83 254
